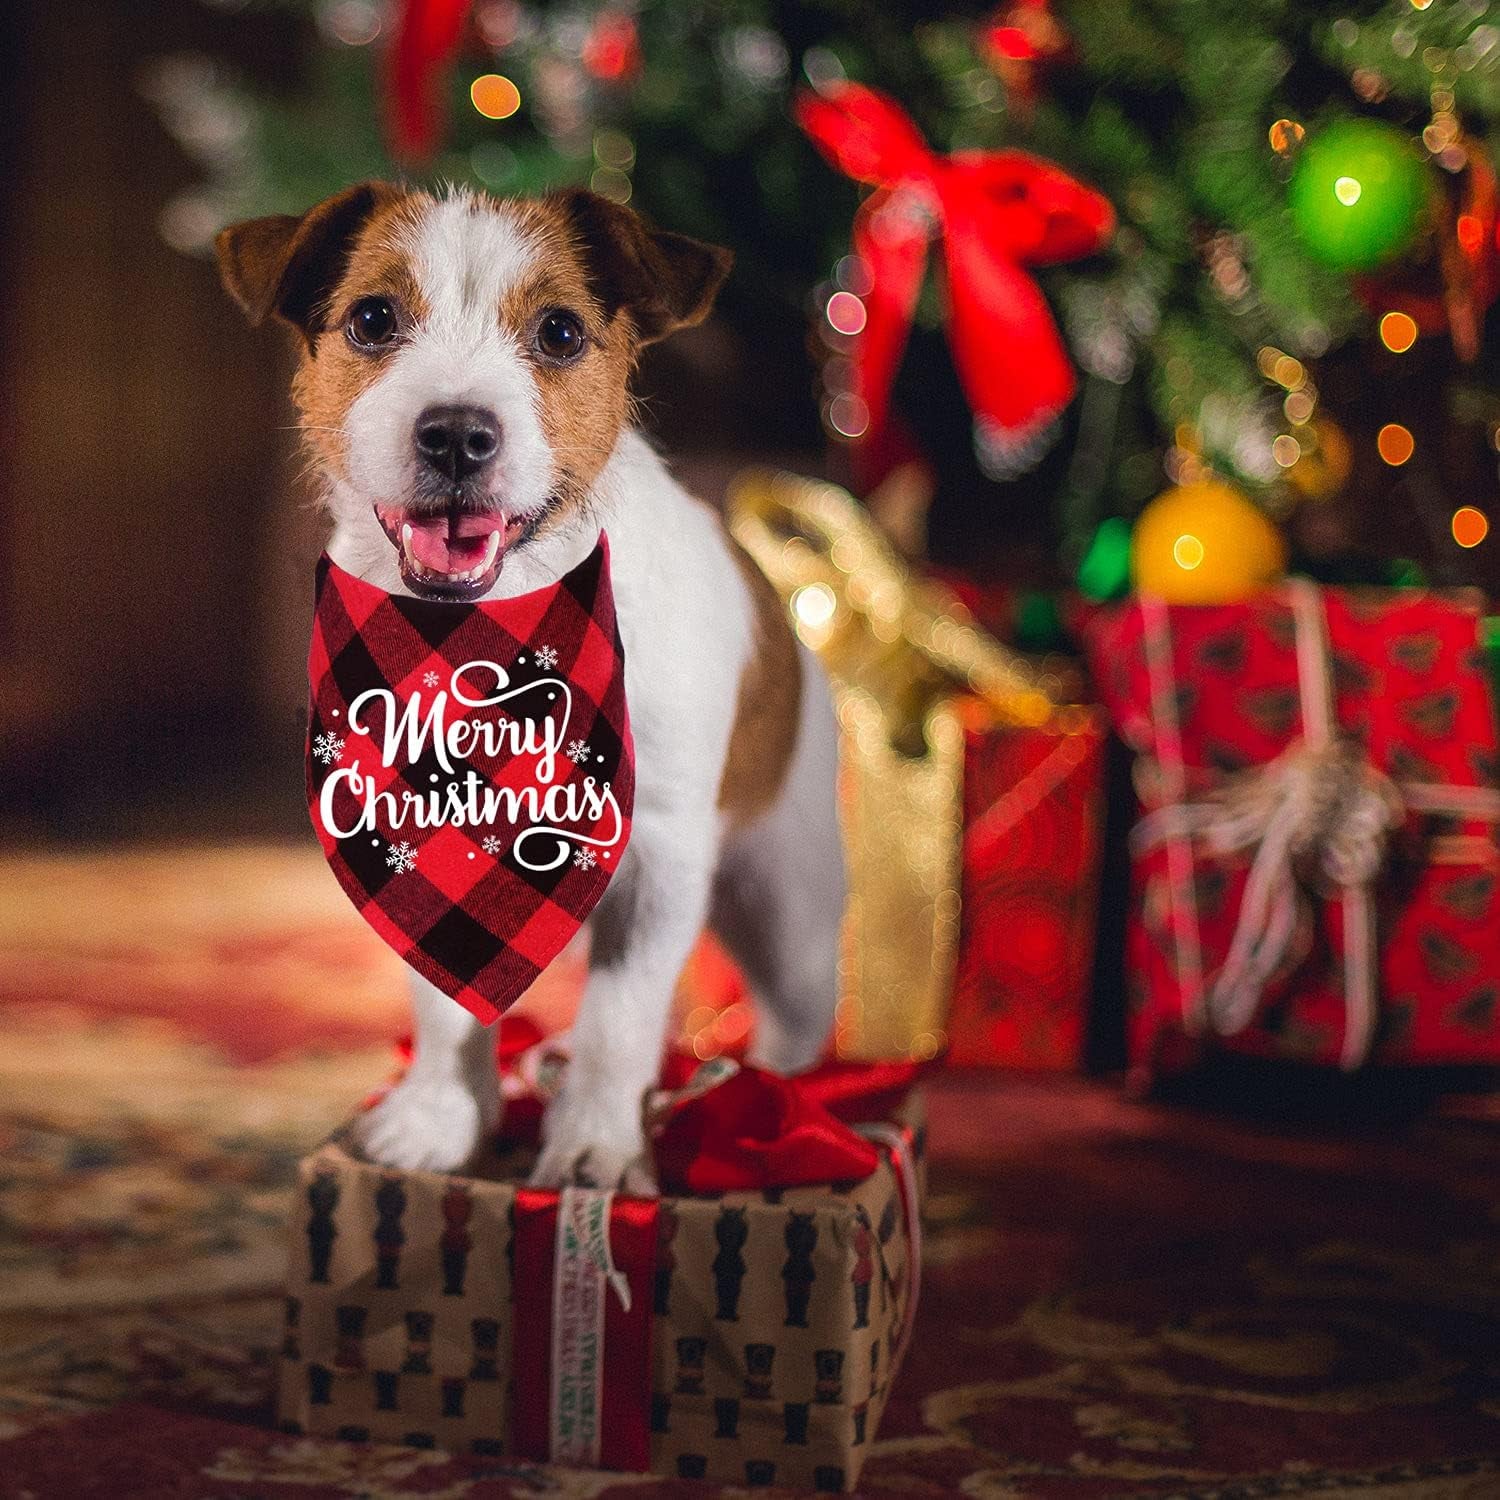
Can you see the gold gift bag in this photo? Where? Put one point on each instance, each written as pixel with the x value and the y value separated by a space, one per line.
pixel 906 662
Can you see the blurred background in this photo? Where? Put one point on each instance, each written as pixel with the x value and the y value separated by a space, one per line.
pixel 159 530
pixel 1077 302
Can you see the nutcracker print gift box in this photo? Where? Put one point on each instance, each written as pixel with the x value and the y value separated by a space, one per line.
pixel 744 1327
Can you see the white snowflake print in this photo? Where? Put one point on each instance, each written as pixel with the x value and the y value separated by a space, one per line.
pixel 578 751
pixel 327 748
pixel 585 859
pixel 429 679
pixel 402 858
pixel 546 658
pixel 490 844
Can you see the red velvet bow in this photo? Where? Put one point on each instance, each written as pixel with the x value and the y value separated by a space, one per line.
pixel 758 1130
pixel 751 1130
pixel 998 212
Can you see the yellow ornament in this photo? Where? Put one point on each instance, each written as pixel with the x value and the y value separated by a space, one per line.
pixel 1323 461
pixel 1204 543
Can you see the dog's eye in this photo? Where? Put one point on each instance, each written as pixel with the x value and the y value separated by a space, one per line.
pixel 372 322
pixel 560 336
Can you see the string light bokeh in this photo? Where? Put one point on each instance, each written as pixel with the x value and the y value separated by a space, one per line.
pixel 577 93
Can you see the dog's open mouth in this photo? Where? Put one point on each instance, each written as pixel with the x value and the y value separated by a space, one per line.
pixel 451 554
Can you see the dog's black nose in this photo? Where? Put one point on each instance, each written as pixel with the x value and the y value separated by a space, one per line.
pixel 457 441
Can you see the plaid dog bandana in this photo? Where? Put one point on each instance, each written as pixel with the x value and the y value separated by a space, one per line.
pixel 470 770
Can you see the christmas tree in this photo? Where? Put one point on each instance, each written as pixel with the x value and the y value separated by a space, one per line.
pixel 1284 317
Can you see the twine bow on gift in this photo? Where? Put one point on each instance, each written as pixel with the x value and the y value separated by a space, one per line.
pixel 998 213
pixel 1318 819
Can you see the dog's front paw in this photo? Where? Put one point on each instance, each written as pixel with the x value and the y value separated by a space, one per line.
pixel 590 1147
pixel 429 1125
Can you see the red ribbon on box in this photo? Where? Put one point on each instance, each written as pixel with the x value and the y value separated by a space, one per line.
pixel 619 1364
pixel 998 213
pixel 582 1375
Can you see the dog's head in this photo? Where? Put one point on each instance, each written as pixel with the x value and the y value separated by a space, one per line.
pixel 465 360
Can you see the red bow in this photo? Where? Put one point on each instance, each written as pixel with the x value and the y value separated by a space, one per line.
pixel 735 1130
pixel 756 1130
pixel 998 212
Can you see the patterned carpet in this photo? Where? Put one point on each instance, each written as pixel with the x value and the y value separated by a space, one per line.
pixel 1122 1299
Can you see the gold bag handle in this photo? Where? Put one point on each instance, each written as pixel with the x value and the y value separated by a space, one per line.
pixel 907 664
pixel 858 604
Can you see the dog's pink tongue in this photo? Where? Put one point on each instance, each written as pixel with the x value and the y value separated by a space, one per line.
pixel 441 548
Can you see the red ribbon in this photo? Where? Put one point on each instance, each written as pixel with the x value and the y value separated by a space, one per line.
pixel 998 212
pixel 754 1130
pixel 427 36
pixel 624 1421
pixel 757 1130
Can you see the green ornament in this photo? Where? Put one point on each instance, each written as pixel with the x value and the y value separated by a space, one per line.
pixel 1489 644
pixel 1104 572
pixel 1358 194
pixel 1039 627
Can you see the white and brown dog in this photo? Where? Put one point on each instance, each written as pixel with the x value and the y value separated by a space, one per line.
pixel 472 351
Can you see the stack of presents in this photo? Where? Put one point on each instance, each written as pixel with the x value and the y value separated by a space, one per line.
pixel 1307 871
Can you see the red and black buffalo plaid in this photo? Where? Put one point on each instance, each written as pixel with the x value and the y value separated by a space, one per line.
pixel 454 897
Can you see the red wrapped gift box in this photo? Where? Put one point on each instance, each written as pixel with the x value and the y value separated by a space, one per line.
pixel 1029 884
pixel 1315 872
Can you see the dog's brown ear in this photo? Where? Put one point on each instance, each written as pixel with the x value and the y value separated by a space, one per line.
pixel 664 281
pixel 288 265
